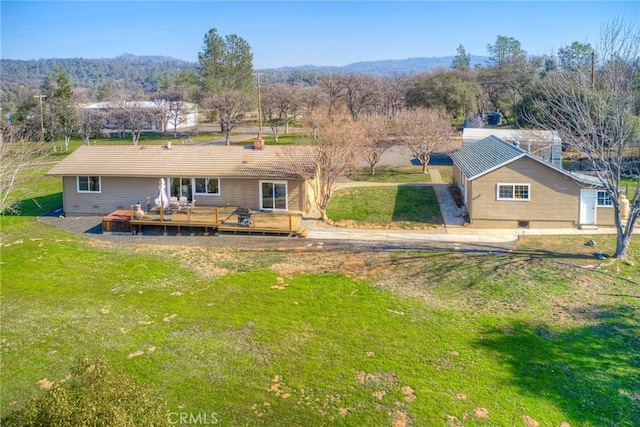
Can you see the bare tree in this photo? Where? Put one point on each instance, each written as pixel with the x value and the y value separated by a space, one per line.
pixel 310 98
pixel 277 106
pixel 361 92
pixel 171 109
pixel 334 142
pixel 394 91
pixel 333 89
pixel 17 153
pixel 378 139
pixel 178 113
pixel 424 132
pixel 90 121
pixel 116 115
pixel 162 113
pixel 231 107
pixel 138 119
pixel 598 118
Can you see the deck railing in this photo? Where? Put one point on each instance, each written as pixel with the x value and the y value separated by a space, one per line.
pixel 221 218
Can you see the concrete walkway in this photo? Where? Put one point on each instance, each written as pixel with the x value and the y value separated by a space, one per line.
pixel 451 213
pixel 453 231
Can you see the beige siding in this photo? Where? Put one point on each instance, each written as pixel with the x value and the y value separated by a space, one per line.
pixel 554 198
pixel 470 198
pixel 605 216
pixel 121 193
pixel 117 193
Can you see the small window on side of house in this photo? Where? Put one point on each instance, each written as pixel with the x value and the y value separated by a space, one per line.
pixel 89 184
pixel 520 192
pixel 604 199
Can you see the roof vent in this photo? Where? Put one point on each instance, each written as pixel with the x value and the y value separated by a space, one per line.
pixel 516 144
pixel 169 145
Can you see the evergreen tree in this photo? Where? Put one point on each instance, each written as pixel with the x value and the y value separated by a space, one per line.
pixel 225 64
pixel 62 110
pixel 462 61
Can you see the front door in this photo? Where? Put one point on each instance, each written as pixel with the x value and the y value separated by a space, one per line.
pixel 588 199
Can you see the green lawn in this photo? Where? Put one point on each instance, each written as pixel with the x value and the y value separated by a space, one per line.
pixel 405 174
pixel 283 139
pixel 402 205
pixel 311 337
pixel 422 336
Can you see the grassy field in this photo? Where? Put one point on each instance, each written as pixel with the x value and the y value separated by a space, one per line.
pixel 147 139
pixel 403 206
pixel 406 174
pixel 546 334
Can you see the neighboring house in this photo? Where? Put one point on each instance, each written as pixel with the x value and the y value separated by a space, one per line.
pixel 178 114
pixel 98 180
pixel 542 143
pixel 505 186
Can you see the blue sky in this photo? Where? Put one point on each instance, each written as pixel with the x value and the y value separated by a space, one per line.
pixel 294 33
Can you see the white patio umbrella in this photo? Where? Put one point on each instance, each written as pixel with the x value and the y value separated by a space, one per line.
pixel 162 199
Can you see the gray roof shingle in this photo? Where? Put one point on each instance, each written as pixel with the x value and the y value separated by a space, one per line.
pixel 191 161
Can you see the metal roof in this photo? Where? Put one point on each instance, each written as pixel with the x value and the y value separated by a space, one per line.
pixel 184 160
pixel 491 153
pixel 484 156
pixel 537 137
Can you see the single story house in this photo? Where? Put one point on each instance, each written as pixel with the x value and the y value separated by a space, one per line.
pixel 543 143
pixel 98 180
pixel 504 186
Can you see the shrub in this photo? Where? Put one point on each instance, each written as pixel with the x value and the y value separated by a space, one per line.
pixel 494 119
pixel 92 395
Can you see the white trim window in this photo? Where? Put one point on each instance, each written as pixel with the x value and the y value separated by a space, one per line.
pixel 518 192
pixel 89 184
pixel 207 186
pixel 273 195
pixel 604 200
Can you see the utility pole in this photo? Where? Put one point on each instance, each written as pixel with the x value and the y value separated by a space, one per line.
pixel 41 118
pixel 259 142
pixel 259 108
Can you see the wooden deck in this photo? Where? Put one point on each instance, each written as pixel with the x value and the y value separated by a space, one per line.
pixel 219 219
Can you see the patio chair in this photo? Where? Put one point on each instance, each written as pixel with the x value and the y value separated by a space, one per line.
pixel 173 204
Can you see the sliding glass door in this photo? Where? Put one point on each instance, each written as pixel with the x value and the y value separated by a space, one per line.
pixel 273 195
pixel 181 187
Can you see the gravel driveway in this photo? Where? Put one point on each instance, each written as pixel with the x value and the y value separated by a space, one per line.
pixel 90 227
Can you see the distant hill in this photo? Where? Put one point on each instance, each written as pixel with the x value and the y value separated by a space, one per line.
pixel 143 73
pixel 137 72
pixel 389 67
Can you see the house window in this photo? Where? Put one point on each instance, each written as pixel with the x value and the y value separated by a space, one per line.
pixel 181 187
pixel 514 192
pixel 273 195
pixel 208 186
pixel 604 199
pixel 89 184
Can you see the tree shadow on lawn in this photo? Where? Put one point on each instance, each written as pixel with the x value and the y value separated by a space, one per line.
pixel 48 204
pixel 591 373
pixel 417 203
